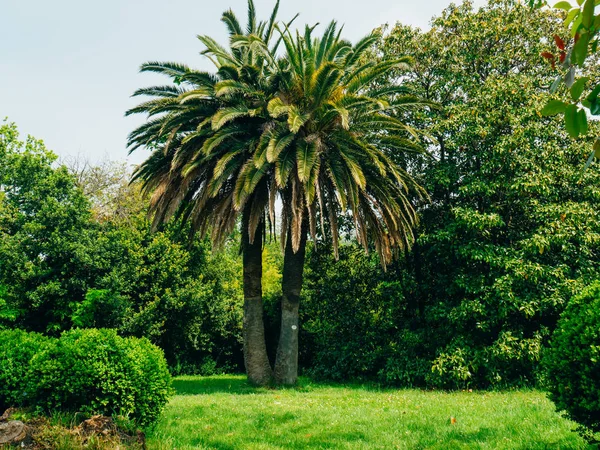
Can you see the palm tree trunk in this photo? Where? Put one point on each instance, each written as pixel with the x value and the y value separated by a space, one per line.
pixel 256 360
pixel 286 362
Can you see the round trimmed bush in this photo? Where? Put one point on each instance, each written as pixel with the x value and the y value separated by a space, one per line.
pixel 17 348
pixel 97 371
pixel 572 363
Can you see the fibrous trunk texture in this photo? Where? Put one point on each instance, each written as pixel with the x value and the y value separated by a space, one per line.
pixel 286 363
pixel 256 360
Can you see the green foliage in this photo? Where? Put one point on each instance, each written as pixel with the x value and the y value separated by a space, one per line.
pixel 512 231
pixel 577 52
pixel 6 314
pixel 355 320
pixel 185 299
pixel 66 262
pixel 91 371
pixel 100 309
pixel 96 371
pixel 45 231
pixel 572 363
pixel 407 359
pixel 17 348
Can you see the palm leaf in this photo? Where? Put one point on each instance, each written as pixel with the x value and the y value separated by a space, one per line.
pixel 306 156
pixel 277 108
pixel 226 115
pixel 284 166
pixel 295 119
pixel 277 144
pixel 231 22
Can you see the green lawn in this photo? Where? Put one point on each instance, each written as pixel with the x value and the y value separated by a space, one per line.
pixel 225 413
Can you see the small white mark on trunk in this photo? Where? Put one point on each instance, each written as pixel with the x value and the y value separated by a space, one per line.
pixel 294 327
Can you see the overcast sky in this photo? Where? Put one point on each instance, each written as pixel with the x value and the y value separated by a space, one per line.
pixel 68 67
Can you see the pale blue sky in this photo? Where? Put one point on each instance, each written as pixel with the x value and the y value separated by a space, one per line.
pixel 68 67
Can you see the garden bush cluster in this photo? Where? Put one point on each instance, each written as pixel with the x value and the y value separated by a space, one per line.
pixel 91 371
pixel 360 322
pixel 572 362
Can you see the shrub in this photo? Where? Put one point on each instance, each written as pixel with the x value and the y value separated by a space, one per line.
pixel 407 363
pixel 101 308
pixel 17 348
pixel 96 371
pixel 572 363
pixel 453 368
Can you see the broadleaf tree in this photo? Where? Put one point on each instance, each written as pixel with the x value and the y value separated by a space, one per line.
pixel 571 55
pixel 512 229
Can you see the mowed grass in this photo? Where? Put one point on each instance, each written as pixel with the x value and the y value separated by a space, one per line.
pixel 225 413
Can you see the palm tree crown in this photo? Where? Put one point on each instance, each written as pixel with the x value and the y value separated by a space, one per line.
pixel 314 127
pixel 327 146
pixel 203 129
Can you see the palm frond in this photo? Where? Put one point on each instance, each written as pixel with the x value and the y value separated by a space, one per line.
pixel 171 69
pixel 251 17
pixel 226 115
pixel 231 22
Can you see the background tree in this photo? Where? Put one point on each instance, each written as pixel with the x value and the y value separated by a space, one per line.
pixel 511 232
pixel 45 230
pixel 61 266
pixel 107 185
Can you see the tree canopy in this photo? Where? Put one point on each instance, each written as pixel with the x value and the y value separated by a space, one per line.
pixel 511 232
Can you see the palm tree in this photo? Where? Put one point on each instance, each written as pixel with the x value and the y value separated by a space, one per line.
pixel 314 127
pixel 327 151
pixel 203 130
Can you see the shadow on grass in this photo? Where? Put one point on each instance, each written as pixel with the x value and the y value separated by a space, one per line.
pixel 337 440
pixel 228 384
pixel 238 385
pixel 270 436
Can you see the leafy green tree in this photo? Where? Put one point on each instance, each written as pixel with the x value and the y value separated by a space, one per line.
pixel 63 266
pixel 512 231
pixel 188 301
pixel 45 231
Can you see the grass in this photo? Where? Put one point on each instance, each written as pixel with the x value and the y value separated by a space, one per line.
pixel 223 412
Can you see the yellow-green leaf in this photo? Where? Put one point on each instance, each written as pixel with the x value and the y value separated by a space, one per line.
pixel 563 5
pixel 277 108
